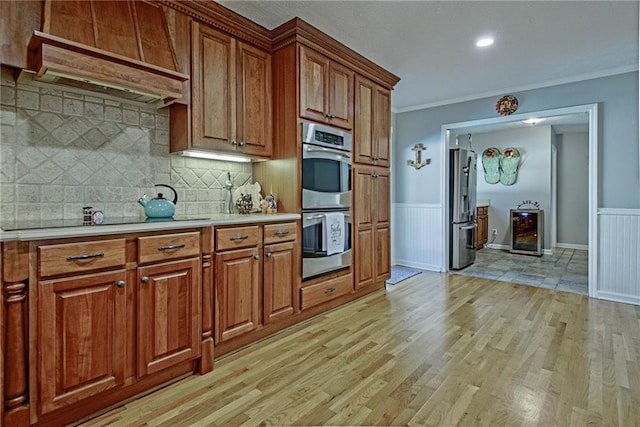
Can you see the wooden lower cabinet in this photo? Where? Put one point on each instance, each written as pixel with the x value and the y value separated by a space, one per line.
pixel 318 293
pixel 237 282
pixel 372 226
pixel 169 325
pixel 81 337
pixel 482 232
pixel 279 280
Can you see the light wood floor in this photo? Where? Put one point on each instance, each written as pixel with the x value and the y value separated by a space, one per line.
pixel 436 350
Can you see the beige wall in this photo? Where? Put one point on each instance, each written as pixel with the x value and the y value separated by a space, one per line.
pixel 60 151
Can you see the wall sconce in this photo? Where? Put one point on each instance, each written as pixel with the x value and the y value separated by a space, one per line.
pixel 418 162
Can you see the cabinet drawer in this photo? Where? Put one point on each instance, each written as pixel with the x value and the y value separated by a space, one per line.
pixel 237 237
pixel 274 233
pixel 325 291
pixel 69 258
pixel 168 246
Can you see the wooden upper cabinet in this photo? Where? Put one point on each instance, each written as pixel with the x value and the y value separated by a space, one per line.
pixel 326 90
pixel 231 94
pixel 372 123
pixel 213 88
pixel 254 101
pixel 81 337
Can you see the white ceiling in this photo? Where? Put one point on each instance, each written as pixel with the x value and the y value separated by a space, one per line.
pixel 430 45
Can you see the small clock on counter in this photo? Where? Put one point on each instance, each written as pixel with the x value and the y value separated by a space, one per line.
pixel 97 217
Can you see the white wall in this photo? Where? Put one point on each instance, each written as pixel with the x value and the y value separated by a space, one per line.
pixel 573 189
pixel 616 95
pixel 533 182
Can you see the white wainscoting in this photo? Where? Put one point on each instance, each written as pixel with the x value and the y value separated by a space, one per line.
pixel 416 235
pixel 619 255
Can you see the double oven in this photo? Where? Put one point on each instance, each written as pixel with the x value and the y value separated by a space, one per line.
pixel 326 200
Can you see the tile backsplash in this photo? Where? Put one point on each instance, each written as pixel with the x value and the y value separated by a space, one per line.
pixel 60 151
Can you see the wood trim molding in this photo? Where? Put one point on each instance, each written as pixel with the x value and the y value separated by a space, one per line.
pixel 297 30
pixel 218 16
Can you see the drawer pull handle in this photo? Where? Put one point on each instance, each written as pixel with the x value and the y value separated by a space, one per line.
pixel 256 257
pixel 169 247
pixel 85 256
pixel 268 254
pixel 281 232
pixel 238 238
pixel 121 284
pixel 144 279
pixel 329 291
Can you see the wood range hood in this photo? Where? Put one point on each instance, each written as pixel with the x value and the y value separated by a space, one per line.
pixel 119 48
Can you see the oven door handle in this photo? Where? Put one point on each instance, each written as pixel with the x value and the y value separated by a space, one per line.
pixel 320 216
pixel 328 150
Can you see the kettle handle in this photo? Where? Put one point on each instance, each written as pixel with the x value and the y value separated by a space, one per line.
pixel 175 194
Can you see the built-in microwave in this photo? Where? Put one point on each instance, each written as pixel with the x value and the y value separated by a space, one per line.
pixel 326 167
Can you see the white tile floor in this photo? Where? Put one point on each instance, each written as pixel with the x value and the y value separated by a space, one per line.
pixel 565 270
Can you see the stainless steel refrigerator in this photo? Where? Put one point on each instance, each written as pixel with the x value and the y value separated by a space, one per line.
pixel 462 207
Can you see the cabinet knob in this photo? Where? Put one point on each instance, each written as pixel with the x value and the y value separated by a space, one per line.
pixel 241 143
pixel 121 284
pixel 144 279
pixel 234 142
pixel 330 116
pixel 256 257
pixel 268 254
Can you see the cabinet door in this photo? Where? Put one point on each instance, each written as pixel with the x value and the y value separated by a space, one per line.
pixel 254 101
pixel 381 125
pixel 213 83
pixel 362 194
pixel 382 252
pixel 279 281
pixel 340 96
pixel 364 268
pixel 372 123
pixel 168 314
pixel 381 201
pixel 237 292
pixel 364 219
pixel 81 337
pixel 381 205
pixel 373 216
pixel 363 150
pixel 314 81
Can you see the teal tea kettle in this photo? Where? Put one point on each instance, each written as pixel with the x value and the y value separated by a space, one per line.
pixel 159 207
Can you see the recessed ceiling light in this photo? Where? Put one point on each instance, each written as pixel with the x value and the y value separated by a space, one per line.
pixel 532 121
pixel 484 42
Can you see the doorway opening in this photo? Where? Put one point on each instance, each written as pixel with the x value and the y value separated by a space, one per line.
pixel 558 122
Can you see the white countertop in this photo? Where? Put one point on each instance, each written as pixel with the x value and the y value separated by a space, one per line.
pixel 78 230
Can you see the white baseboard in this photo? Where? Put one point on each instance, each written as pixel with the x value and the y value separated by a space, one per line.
pixel 507 247
pixel 572 246
pixel 413 264
pixel 612 296
pixel 496 246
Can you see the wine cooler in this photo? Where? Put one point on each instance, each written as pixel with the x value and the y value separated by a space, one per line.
pixel 527 229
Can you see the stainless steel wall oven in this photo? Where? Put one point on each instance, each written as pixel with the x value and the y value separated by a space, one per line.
pixel 326 199
pixel 326 167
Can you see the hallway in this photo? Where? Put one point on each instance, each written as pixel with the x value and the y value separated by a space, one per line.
pixel 565 270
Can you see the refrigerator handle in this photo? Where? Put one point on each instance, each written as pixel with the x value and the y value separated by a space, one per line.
pixel 469 227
